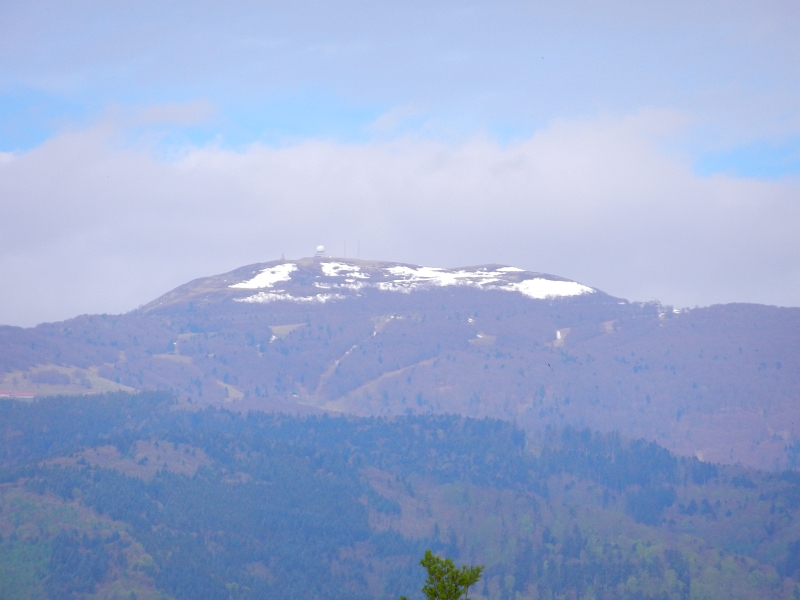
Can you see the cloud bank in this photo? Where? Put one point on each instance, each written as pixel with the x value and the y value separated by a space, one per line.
pixel 94 223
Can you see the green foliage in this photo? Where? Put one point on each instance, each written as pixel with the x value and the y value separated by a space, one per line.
pixel 77 564
pixel 286 508
pixel 647 505
pixel 446 581
pixel 23 565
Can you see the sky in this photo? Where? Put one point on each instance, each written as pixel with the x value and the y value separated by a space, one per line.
pixel 651 150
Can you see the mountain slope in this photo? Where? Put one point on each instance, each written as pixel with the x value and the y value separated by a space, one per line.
pixel 374 338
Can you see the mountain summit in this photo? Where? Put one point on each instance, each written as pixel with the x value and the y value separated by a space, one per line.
pixel 319 280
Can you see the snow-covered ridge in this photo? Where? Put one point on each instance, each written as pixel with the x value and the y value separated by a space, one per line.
pixel 408 279
pixel 341 277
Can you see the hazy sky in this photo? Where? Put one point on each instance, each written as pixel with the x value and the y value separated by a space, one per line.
pixel 647 149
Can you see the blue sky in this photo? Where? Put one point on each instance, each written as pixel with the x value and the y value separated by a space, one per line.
pixel 708 93
pixel 758 159
pixel 275 71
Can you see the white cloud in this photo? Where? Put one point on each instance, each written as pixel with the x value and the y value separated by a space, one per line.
pixel 92 226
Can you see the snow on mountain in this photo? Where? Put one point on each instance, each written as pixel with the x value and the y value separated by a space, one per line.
pixel 338 278
pixel 268 277
pixel 264 297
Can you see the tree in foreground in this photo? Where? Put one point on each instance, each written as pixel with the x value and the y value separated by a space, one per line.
pixel 446 581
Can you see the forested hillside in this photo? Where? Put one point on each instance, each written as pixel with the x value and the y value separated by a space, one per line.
pixel 146 496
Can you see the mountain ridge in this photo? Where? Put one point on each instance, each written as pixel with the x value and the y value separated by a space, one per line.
pixel 391 276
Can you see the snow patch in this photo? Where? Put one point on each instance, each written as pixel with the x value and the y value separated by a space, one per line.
pixel 349 284
pixel 541 289
pixel 338 269
pixel 266 297
pixel 268 277
pixel 410 278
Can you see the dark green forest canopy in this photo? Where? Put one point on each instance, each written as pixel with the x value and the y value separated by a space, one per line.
pixel 285 507
pixel 484 452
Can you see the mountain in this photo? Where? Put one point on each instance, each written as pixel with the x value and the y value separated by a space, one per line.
pixel 322 336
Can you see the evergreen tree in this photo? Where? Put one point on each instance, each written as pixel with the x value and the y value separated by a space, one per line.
pixel 446 581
